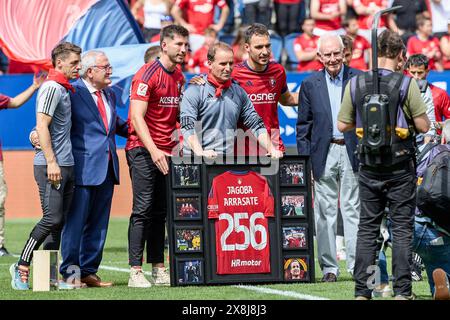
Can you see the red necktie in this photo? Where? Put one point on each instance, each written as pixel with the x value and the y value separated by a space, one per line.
pixel 102 109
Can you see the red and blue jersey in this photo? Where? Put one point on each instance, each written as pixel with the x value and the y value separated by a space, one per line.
pixel 264 90
pixel 161 89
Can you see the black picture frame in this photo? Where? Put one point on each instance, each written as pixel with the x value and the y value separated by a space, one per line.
pixel 185 176
pixel 292 174
pixel 188 239
pixel 290 204
pixel 296 268
pixel 190 271
pixel 295 236
pixel 193 210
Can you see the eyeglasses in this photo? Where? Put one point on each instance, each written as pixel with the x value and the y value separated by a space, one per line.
pixel 107 68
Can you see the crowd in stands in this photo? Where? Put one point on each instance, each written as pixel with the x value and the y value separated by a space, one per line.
pixel 295 27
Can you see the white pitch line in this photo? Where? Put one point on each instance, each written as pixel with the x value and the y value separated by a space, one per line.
pixel 121 269
pixel 291 294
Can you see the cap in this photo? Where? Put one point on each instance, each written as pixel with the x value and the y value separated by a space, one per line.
pixel 168 18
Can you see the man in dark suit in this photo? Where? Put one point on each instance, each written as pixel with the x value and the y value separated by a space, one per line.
pixel 332 154
pixel 94 126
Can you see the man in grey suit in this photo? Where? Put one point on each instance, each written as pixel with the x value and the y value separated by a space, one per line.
pixel 332 154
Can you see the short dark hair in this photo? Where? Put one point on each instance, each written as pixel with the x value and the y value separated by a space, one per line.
pixel 256 29
pixel 420 20
pixel 63 50
pixel 389 44
pixel 347 41
pixel 152 53
pixel 417 60
pixel 213 49
pixel 347 20
pixel 172 30
pixel 210 31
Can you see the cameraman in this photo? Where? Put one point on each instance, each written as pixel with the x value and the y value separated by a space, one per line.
pixel 431 241
pixel 389 175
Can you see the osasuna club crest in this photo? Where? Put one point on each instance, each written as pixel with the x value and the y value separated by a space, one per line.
pixel 272 82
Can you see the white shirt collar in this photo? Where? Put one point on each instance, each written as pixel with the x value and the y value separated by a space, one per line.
pixel 91 89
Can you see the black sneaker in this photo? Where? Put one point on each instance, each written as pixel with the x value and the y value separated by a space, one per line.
pixel 4 252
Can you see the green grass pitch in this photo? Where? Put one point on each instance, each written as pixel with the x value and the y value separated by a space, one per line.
pixel 115 256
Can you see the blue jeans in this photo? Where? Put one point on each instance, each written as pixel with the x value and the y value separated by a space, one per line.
pixel 433 247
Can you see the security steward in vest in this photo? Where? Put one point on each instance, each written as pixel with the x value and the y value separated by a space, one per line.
pixel 387 170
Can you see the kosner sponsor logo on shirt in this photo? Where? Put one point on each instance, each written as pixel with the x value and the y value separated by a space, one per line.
pixel 260 98
pixel 169 102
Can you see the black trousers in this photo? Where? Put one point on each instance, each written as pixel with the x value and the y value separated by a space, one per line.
pixel 258 12
pixel 288 18
pixel 149 208
pixel 55 203
pixel 398 190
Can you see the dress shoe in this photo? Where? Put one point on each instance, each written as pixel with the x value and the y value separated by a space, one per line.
pixel 93 280
pixel 442 290
pixel 329 277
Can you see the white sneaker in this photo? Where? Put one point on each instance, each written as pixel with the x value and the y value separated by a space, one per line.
pixel 137 279
pixel 161 277
pixel 382 291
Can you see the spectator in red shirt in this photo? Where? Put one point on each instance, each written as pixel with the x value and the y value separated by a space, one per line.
pixel 366 10
pixel 305 47
pixel 445 48
pixel 361 47
pixel 198 63
pixel 423 42
pixel 199 15
pixel 327 14
pixel 418 68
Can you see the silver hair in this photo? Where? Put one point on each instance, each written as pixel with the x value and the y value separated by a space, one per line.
pixel 446 131
pixel 328 36
pixel 88 60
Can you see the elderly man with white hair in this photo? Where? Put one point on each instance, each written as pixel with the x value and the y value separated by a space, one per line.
pixel 332 153
pixel 94 126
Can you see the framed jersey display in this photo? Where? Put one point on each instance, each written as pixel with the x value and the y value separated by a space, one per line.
pixel 240 223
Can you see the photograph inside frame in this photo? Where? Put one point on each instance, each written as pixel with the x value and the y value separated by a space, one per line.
pixel 294 237
pixel 187 207
pixel 188 239
pixel 292 173
pixel 296 268
pixel 190 271
pixel 186 175
pixel 293 205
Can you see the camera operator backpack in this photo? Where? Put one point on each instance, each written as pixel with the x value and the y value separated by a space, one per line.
pixel 433 193
pixel 385 136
